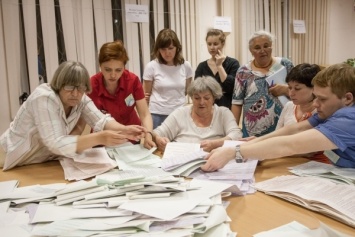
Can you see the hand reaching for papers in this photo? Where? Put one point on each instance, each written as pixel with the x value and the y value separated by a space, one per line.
pixel 218 158
pixel 134 132
pixel 161 142
pixel 112 138
pixel 208 145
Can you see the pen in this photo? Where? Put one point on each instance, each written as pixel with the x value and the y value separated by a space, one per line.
pixel 272 83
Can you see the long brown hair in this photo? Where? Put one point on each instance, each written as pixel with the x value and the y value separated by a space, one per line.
pixel 165 38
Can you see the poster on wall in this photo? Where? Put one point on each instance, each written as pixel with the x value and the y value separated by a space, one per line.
pixel 223 23
pixel 137 13
pixel 299 27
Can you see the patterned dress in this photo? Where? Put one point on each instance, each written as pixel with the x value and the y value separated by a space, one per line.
pixel 261 110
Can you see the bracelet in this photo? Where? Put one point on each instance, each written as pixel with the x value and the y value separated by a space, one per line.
pixel 150 133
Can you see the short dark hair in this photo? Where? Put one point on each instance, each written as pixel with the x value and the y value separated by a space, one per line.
pixel 303 73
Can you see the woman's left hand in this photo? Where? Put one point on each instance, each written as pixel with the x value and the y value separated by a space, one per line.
pixel 207 145
pixel 148 142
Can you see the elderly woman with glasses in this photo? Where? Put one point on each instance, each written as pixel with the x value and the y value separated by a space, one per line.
pixel 50 122
pixel 202 122
pixel 258 85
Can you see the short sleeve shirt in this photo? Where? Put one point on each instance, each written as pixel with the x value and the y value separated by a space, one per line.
pixel 120 106
pixel 169 86
pixel 340 129
pixel 261 110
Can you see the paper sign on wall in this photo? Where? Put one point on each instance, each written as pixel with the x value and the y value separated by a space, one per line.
pixel 299 27
pixel 137 13
pixel 223 23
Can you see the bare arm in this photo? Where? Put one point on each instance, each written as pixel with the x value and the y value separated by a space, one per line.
pixel 147 86
pixel 287 130
pixel 106 138
pixel 307 141
pixel 237 112
pixel 209 145
pixel 147 122
pixel 188 82
pixel 220 57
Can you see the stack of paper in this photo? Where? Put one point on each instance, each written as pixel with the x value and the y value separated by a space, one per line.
pixel 317 194
pixel 192 208
pixel 90 163
pixel 240 175
pixel 328 171
pixel 183 164
pixel 129 156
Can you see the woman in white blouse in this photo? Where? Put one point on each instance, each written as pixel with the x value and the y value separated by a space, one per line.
pixel 49 124
pixel 202 122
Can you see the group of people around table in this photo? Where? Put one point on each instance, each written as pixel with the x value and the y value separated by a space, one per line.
pixel 119 107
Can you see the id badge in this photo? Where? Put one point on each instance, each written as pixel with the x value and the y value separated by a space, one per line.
pixel 129 100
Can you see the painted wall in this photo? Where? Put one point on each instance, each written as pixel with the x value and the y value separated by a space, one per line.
pixel 342 30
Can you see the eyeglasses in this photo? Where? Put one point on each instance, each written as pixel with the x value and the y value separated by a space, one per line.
pixel 72 88
pixel 258 50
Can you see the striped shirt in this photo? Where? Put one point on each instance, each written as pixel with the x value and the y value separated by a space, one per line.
pixel 40 130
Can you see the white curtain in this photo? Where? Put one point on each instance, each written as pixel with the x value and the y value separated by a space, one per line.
pixel 277 17
pixel 87 24
pixel 310 47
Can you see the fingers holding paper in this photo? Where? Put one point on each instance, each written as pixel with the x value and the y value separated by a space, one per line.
pixel 134 132
pixel 218 158
pixel 161 142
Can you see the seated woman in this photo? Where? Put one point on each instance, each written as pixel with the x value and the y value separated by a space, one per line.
pixel 202 122
pixel 301 107
pixel 49 123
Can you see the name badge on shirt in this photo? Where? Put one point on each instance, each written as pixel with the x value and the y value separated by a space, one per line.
pixel 129 100
pixel 331 156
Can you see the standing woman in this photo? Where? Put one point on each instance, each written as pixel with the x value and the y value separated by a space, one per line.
pixel 119 92
pixel 167 77
pixel 253 95
pixel 222 68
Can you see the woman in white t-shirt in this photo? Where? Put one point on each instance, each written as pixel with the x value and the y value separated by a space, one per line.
pixel 167 77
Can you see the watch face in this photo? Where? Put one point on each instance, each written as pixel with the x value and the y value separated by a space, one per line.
pixel 238 156
pixel 239 160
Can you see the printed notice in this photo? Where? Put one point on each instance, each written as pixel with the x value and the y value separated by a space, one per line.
pixel 137 13
pixel 299 27
pixel 223 23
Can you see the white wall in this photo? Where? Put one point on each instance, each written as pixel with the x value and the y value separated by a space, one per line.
pixel 342 31
pixel 207 10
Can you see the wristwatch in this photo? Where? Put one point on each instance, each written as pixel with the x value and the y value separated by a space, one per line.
pixel 238 156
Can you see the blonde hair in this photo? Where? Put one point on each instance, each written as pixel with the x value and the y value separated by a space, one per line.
pixel 339 77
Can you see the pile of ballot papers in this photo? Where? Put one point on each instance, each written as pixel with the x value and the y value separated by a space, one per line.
pixel 147 202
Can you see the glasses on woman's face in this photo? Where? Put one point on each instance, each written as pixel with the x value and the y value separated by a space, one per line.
pixel 81 89
pixel 259 49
